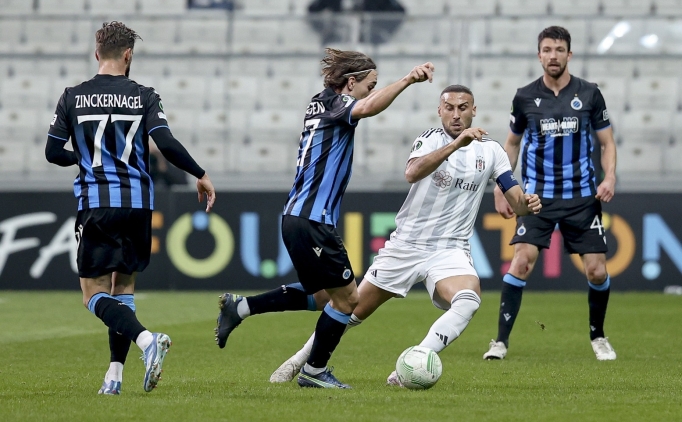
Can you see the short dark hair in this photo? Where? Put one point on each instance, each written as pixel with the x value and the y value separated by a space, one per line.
pixel 338 66
pixel 113 39
pixel 457 88
pixel 555 33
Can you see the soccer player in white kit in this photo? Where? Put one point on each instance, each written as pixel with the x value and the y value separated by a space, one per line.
pixel 448 172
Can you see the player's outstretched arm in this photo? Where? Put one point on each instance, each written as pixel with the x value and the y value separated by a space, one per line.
pixel 379 100
pixel 420 167
pixel 607 188
pixel 523 203
pixel 56 154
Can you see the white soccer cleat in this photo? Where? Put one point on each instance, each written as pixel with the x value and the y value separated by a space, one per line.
pixel 286 371
pixel 602 349
pixel 393 380
pixel 497 351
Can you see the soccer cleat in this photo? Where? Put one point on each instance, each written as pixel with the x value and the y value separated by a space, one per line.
pixel 394 380
pixel 322 380
pixel 153 357
pixel 228 318
pixel 286 371
pixel 497 350
pixel 111 388
pixel 602 349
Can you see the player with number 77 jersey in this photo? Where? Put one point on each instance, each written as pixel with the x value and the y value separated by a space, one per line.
pixel 109 120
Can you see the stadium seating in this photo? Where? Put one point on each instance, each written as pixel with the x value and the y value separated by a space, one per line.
pixel 235 85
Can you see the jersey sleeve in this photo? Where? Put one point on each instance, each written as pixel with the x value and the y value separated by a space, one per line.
pixel 155 116
pixel 59 127
pixel 599 116
pixel 502 164
pixel 341 108
pixel 517 118
pixel 425 144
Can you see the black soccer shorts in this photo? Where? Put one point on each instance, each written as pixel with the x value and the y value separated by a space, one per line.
pixel 579 220
pixel 113 239
pixel 318 254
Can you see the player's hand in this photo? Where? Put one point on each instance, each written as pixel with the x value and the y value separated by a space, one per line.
pixel 421 73
pixel 606 189
pixel 205 187
pixel 501 204
pixel 533 202
pixel 468 135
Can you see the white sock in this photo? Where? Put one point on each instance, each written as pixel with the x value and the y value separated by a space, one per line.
pixel 144 340
pixel 453 322
pixel 115 372
pixel 243 309
pixel 313 371
pixel 302 355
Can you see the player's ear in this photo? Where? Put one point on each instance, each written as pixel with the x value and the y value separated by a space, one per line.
pixel 473 111
pixel 96 55
pixel 128 55
pixel 570 54
pixel 351 83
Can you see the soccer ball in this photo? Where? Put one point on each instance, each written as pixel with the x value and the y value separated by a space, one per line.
pixel 418 368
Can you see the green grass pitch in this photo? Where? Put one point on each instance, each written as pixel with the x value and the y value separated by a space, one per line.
pixel 54 353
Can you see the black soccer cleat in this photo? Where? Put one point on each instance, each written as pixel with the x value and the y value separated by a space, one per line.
pixel 228 318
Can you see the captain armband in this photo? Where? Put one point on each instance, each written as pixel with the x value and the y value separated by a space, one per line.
pixel 506 181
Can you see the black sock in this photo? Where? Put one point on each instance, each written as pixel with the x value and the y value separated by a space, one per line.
pixel 119 317
pixel 119 347
pixel 330 327
pixel 283 298
pixel 598 301
pixel 510 304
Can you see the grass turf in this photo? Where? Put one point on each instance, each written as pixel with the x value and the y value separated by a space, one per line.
pixel 53 355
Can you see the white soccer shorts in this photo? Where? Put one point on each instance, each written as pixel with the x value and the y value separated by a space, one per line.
pixel 399 266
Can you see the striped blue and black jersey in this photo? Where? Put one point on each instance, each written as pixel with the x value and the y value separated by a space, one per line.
pixel 558 137
pixel 325 157
pixel 109 119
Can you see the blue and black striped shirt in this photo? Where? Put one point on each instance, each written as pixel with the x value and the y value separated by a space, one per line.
pixel 109 119
pixel 557 137
pixel 325 157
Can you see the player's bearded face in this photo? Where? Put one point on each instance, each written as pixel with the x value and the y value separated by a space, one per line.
pixel 554 57
pixel 456 111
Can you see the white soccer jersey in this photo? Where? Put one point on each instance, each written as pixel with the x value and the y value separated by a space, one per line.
pixel 440 209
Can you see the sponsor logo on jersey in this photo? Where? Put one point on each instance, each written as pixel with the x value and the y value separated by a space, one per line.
pixel 563 127
pixel 537 102
pixel 442 179
pixel 162 116
pixel 54 119
pixel 346 274
pixel 480 164
pixel 521 230
pixel 576 104
pixel 470 186
pixel 318 251
pixel 605 115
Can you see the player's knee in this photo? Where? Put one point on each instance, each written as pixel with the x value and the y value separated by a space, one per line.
pixel 521 266
pixel 596 274
pixel 353 300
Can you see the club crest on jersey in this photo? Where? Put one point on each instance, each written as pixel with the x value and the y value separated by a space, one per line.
pixel 416 146
pixel 576 104
pixel 442 179
pixel 480 164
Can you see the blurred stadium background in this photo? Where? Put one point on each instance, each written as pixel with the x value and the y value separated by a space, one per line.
pixel 235 77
